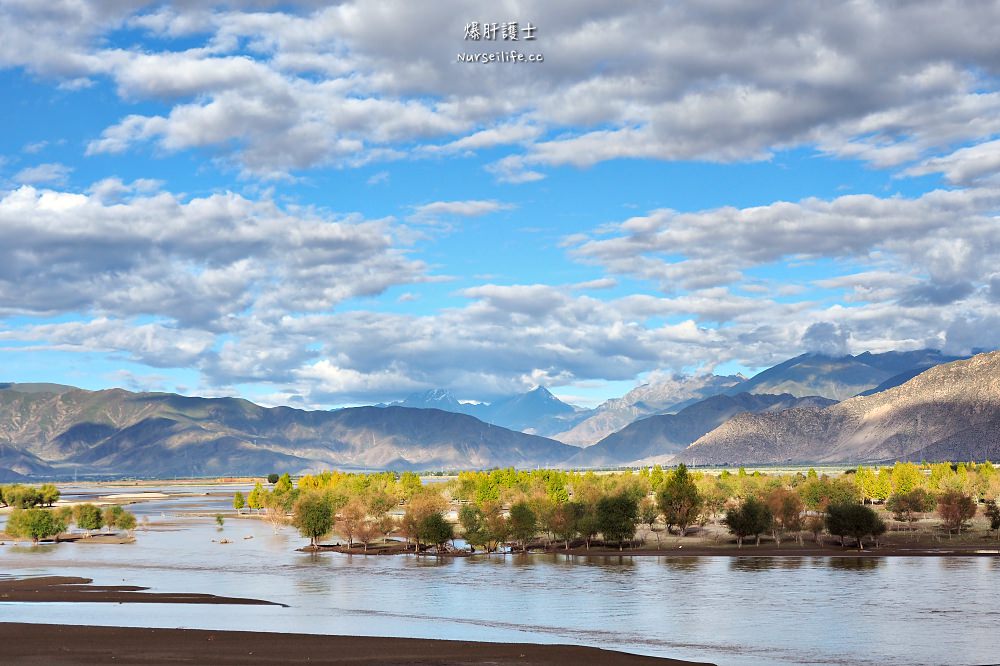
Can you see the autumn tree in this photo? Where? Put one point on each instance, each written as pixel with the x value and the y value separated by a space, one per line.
pixel 239 502
pixel 351 517
pixel 907 506
pixel 956 509
pixel 255 500
pixel 566 521
pixel 679 499
pixel 786 509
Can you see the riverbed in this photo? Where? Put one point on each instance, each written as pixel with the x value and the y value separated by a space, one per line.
pixel 728 610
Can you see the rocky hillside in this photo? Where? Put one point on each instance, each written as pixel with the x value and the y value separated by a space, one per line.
pixel 116 432
pixel 660 397
pixel 657 438
pixel 842 377
pixel 951 411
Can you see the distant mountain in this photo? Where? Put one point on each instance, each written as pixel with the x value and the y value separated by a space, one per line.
pixel 841 377
pixel 951 411
pixel 658 438
pixel 536 411
pixel 116 432
pixel 663 396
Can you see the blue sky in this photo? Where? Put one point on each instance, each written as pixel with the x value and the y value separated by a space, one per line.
pixel 318 205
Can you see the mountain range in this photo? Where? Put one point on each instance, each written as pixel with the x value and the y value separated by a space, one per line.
pixel 949 411
pixel 116 432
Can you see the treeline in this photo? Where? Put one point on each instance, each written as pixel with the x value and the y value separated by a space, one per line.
pixel 37 523
pixel 24 497
pixel 553 507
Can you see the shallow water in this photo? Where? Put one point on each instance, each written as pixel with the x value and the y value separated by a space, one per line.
pixel 731 611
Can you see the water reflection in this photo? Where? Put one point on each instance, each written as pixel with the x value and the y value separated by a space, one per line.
pixel 763 563
pixel 855 563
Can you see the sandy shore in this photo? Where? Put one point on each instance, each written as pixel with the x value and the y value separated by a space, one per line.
pixel 70 588
pixel 61 644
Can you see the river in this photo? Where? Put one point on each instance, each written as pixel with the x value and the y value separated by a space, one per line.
pixel 728 610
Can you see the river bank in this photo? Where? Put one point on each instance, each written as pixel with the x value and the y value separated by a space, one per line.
pixel 50 644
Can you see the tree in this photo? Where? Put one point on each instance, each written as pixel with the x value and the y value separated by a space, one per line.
pixel 49 494
pixel 220 520
pixel 434 529
pixel 470 517
pixel 679 499
pixel 854 520
pixel 751 518
pixel 88 517
pixel 256 498
pixel 272 478
pixel 283 484
pixel 956 509
pixel 566 521
pixel 275 510
pixel 907 506
pixel 617 516
pixel 126 521
pixel 523 524
pixel 112 515
pixel 786 509
pixel 351 518
pixel 313 516
pixel 238 502
pixel 648 513
pixel 421 505
pixel 993 513
pixel 35 524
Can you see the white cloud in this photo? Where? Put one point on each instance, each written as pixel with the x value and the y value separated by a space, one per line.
pixel 51 173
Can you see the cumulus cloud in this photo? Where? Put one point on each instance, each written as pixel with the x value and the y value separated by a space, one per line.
pixel 201 262
pixel 941 243
pixel 827 338
pixel 281 88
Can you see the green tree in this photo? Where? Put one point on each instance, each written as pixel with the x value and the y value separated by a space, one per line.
pixel 239 502
pixel 220 520
pixel 35 524
pixel 679 499
pixel 256 498
pixel 751 518
pixel 523 524
pixel 434 529
pixel 88 517
pixel 49 494
pixel 470 517
pixel 617 516
pixel 854 520
pixel 283 485
pixel 111 515
pixel 313 516
pixel 272 478
pixel 993 514
pixel 126 521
